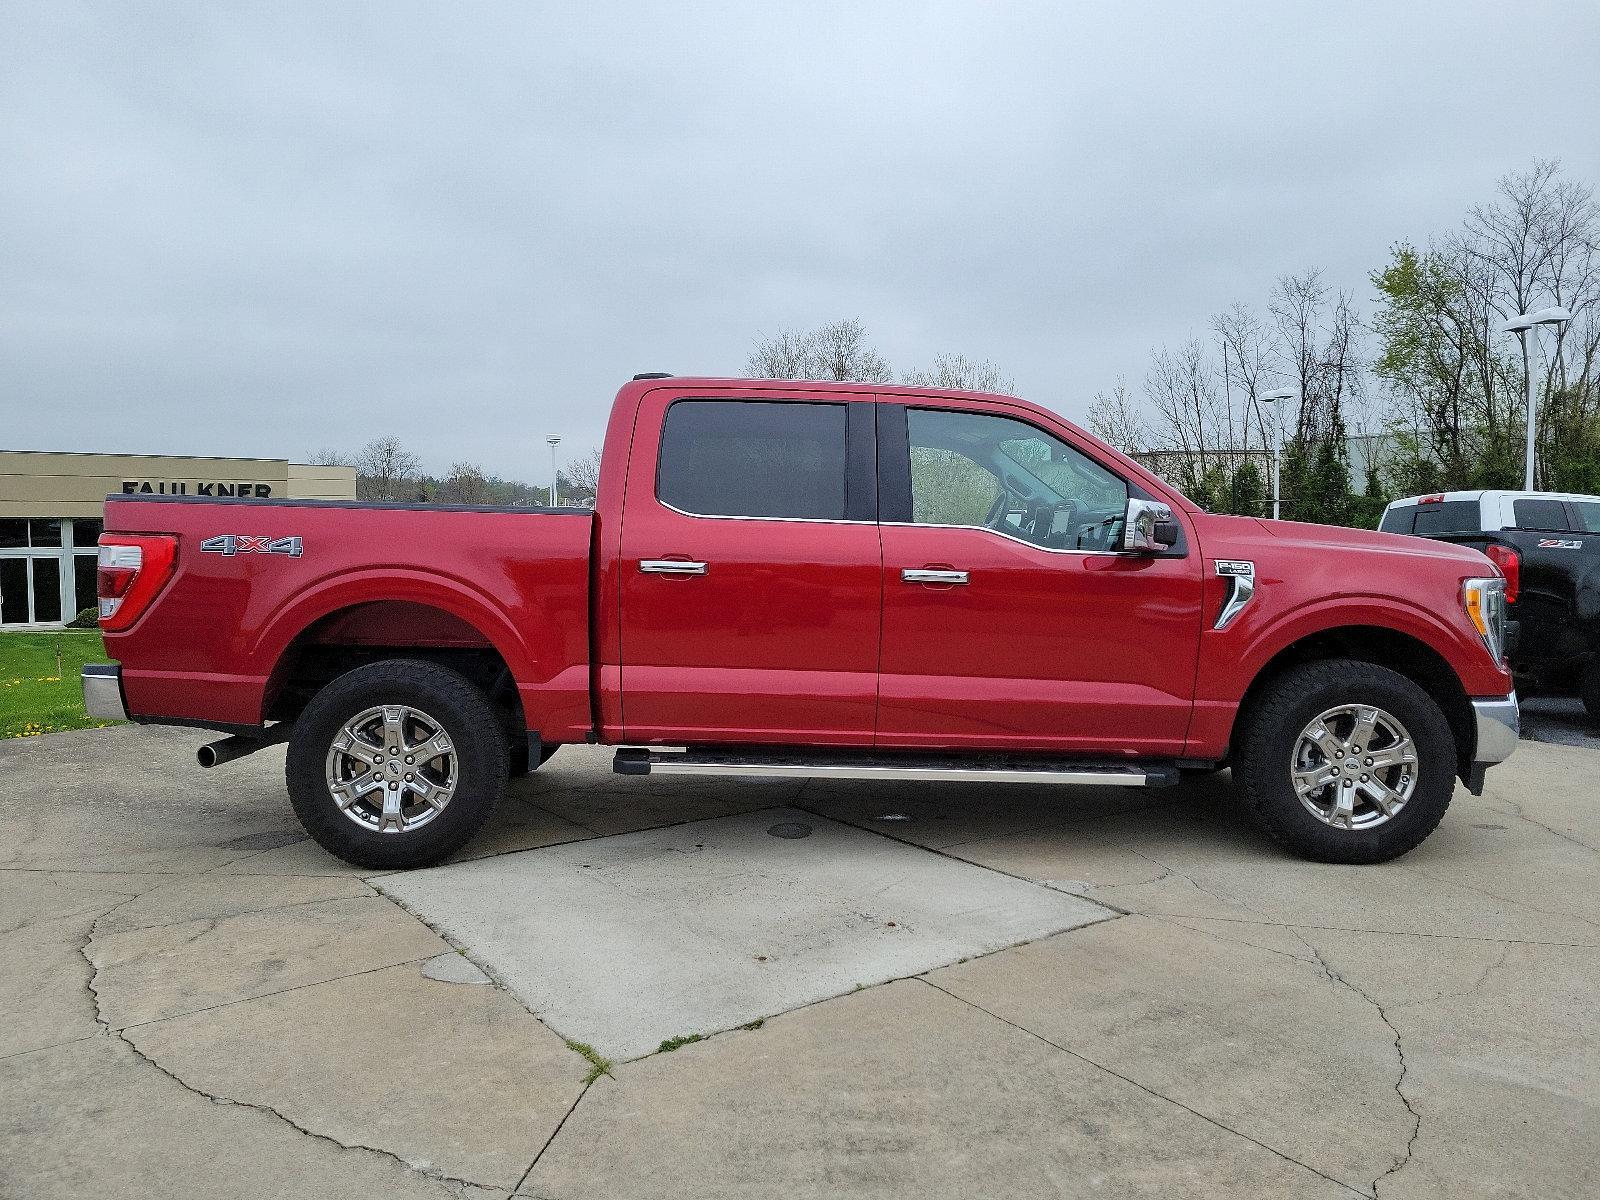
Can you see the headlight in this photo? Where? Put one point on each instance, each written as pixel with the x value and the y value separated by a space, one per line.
pixel 1485 602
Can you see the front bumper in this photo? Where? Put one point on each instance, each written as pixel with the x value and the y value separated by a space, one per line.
pixel 102 692
pixel 1498 728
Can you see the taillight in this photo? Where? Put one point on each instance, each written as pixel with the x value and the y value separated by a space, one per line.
pixel 133 568
pixel 1510 564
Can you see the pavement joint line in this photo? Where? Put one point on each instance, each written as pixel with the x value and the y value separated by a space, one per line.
pixel 246 912
pixel 967 862
pixel 1459 937
pixel 88 1037
pixel 1210 1120
pixel 1065 823
pixel 299 987
pixel 1334 977
pixel 120 1035
pixel 560 1125
pixel 1548 912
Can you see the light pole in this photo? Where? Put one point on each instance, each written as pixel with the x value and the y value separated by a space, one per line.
pixel 1522 326
pixel 555 440
pixel 1276 399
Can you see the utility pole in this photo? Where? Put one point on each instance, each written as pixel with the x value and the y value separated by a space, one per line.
pixel 1526 325
pixel 555 440
pixel 1277 400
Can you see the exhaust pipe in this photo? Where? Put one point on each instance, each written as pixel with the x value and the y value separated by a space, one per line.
pixel 214 754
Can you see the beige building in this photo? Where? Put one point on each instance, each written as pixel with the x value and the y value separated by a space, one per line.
pixel 52 507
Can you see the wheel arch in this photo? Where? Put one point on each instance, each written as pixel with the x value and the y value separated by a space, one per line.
pixel 331 640
pixel 1383 646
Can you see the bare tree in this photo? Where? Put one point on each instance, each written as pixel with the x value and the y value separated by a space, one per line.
pixel 584 472
pixel 1116 419
pixel 385 470
pixel 328 457
pixel 837 351
pixel 957 371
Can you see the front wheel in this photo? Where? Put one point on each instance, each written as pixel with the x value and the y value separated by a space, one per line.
pixel 396 764
pixel 1346 762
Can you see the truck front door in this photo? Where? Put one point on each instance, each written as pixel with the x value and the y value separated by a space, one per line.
pixel 750 570
pixel 1009 621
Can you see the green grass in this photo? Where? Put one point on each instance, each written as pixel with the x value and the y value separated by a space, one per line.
pixel 598 1065
pixel 671 1044
pixel 36 697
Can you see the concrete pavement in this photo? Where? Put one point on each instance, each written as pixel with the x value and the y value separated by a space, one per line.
pixel 200 1002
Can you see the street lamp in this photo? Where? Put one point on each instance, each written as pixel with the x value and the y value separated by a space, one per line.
pixel 1275 398
pixel 1522 326
pixel 555 440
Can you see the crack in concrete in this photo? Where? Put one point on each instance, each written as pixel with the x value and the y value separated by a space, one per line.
pixel 1454 937
pixel 1517 811
pixel 1400 1053
pixel 1146 1088
pixel 1482 891
pixel 120 1035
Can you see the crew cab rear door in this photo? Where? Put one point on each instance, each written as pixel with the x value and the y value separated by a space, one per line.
pixel 1008 620
pixel 750 574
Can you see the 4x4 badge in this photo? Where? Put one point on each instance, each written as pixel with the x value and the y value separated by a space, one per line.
pixel 245 543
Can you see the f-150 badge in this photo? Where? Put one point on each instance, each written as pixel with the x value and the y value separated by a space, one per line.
pixel 244 543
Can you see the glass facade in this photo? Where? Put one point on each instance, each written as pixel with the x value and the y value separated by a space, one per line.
pixel 47 569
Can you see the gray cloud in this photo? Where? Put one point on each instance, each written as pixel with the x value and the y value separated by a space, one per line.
pixel 264 229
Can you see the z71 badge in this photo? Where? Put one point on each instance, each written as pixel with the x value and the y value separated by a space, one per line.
pixel 244 543
pixel 1560 544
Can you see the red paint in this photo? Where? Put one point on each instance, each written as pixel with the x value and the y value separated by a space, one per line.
pixel 800 632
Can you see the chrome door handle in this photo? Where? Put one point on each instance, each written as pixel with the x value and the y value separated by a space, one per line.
pixel 947 577
pixel 671 566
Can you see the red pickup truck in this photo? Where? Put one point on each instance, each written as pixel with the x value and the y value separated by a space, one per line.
pixel 813 579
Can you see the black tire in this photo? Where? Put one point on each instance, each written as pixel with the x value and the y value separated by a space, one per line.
pixel 461 711
pixel 1589 690
pixel 1270 733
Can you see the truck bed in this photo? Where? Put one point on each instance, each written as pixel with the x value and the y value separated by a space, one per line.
pixel 256 578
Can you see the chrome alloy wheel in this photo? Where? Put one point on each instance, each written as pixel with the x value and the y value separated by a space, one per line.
pixel 1354 767
pixel 392 769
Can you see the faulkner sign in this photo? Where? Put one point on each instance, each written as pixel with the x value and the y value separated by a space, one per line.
pixel 233 489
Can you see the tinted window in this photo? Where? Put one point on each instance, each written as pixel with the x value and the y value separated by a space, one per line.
pixel 996 473
pixel 748 458
pixel 1453 516
pixel 1398 520
pixel 1541 514
pixel 1588 513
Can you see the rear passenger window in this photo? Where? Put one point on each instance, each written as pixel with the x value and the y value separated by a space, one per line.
pixel 751 458
pixel 1398 520
pixel 1452 516
pixel 1588 512
pixel 1541 514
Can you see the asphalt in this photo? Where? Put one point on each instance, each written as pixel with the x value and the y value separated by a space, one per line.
pixel 200 1002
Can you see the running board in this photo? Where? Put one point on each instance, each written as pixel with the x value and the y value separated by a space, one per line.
pixel 644 760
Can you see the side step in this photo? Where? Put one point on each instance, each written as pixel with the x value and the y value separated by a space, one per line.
pixel 989 768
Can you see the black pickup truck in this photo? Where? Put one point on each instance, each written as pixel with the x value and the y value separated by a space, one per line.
pixel 1547 544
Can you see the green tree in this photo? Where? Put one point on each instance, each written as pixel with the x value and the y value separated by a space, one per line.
pixel 1249 492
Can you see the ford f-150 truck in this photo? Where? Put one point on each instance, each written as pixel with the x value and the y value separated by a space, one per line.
pixel 813 579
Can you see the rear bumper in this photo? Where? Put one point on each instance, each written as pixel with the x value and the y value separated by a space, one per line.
pixel 102 692
pixel 1498 727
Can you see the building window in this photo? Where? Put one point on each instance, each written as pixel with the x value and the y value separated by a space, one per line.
pixel 47 569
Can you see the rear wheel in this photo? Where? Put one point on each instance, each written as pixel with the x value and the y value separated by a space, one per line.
pixel 1345 761
pixel 1589 689
pixel 396 764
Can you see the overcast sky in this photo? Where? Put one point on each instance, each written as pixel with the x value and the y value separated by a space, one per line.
pixel 264 229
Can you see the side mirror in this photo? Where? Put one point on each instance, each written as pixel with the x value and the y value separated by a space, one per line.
pixel 1147 527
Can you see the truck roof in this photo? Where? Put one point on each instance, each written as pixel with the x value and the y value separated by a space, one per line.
pixel 1487 494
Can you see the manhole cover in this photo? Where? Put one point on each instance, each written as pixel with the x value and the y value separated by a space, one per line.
pixel 790 829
